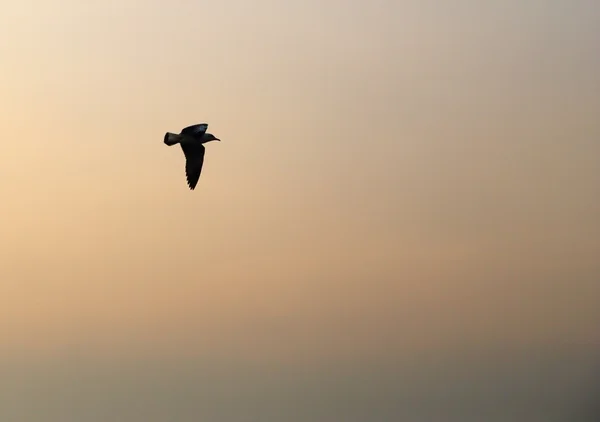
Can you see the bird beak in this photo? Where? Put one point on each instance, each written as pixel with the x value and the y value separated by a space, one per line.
pixel 217 139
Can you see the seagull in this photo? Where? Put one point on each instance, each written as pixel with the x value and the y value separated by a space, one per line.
pixel 191 139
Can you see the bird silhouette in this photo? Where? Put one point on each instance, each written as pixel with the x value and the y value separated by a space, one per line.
pixel 191 140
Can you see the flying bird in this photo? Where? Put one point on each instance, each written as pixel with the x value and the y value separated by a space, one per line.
pixel 191 139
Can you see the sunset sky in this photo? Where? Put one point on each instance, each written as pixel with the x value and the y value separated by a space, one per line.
pixel 405 204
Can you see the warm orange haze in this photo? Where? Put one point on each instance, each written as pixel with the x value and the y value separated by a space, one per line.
pixel 401 223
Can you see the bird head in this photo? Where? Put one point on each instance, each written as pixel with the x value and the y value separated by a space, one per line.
pixel 209 137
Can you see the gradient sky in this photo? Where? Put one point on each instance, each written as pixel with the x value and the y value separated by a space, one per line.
pixel 399 183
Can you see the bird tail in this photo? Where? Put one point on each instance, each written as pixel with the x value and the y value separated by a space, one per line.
pixel 172 138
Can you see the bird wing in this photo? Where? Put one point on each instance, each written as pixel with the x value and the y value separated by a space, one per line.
pixel 194 158
pixel 195 130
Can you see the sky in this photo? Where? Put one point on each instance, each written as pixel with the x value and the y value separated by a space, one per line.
pixel 401 220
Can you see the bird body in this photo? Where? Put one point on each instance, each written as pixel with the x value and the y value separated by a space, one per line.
pixel 191 140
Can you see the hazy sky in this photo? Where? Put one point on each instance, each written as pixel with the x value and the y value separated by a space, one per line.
pixel 397 182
